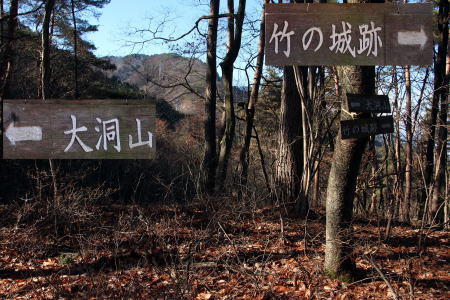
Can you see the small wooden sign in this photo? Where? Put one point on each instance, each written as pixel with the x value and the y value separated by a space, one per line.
pixel 349 34
pixel 351 129
pixel 368 103
pixel 78 129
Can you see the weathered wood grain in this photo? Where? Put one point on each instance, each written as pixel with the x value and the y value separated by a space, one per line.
pixel 413 20
pixel 54 117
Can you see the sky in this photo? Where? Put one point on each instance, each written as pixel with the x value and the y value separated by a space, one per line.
pixel 120 18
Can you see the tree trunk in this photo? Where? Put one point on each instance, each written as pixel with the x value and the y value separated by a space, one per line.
pixel 75 50
pixel 398 185
pixel 376 178
pixel 342 182
pixel 227 65
pixel 392 197
pixel 289 165
pixel 7 53
pixel 306 85
pixel 323 106
pixel 316 187
pixel 230 123
pixel 210 156
pixel 45 48
pixel 250 112
pixel 438 194
pixel 439 79
pixel 404 216
pixel 8 50
pixel 1 25
pixel 45 80
pixel 396 197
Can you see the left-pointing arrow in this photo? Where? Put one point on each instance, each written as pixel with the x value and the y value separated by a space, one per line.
pixel 20 134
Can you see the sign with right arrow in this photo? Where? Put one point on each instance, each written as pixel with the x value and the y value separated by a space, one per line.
pixel 349 34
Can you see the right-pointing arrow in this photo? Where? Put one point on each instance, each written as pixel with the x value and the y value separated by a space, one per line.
pixel 412 38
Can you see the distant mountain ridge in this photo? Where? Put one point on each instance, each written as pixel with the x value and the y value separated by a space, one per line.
pixel 162 76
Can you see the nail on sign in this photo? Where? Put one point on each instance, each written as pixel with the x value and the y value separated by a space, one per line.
pixel 78 129
pixel 349 34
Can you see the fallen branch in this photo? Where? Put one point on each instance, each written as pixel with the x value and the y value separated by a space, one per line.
pixel 377 268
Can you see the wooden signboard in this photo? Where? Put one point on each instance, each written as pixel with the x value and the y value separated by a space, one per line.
pixel 367 103
pixel 351 129
pixel 78 129
pixel 349 34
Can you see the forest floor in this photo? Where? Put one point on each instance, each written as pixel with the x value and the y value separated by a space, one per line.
pixel 207 252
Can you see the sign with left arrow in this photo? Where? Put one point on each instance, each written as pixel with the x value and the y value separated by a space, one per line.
pixel 78 129
pixel 367 103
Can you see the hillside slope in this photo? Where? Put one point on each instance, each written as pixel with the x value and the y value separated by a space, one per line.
pixel 164 76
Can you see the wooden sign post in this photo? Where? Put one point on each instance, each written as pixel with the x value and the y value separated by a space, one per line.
pixel 349 34
pixel 358 128
pixel 351 129
pixel 78 129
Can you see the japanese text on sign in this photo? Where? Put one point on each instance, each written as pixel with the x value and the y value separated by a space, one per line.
pixel 109 132
pixel 341 39
pixel 367 103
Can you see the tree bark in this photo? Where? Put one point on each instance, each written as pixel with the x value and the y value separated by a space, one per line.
pixel 210 155
pixel 45 48
pixel 342 182
pixel 289 165
pixel 250 111
pixel 227 65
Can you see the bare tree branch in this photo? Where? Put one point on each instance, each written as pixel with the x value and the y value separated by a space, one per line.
pixel 37 8
pixel 158 30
